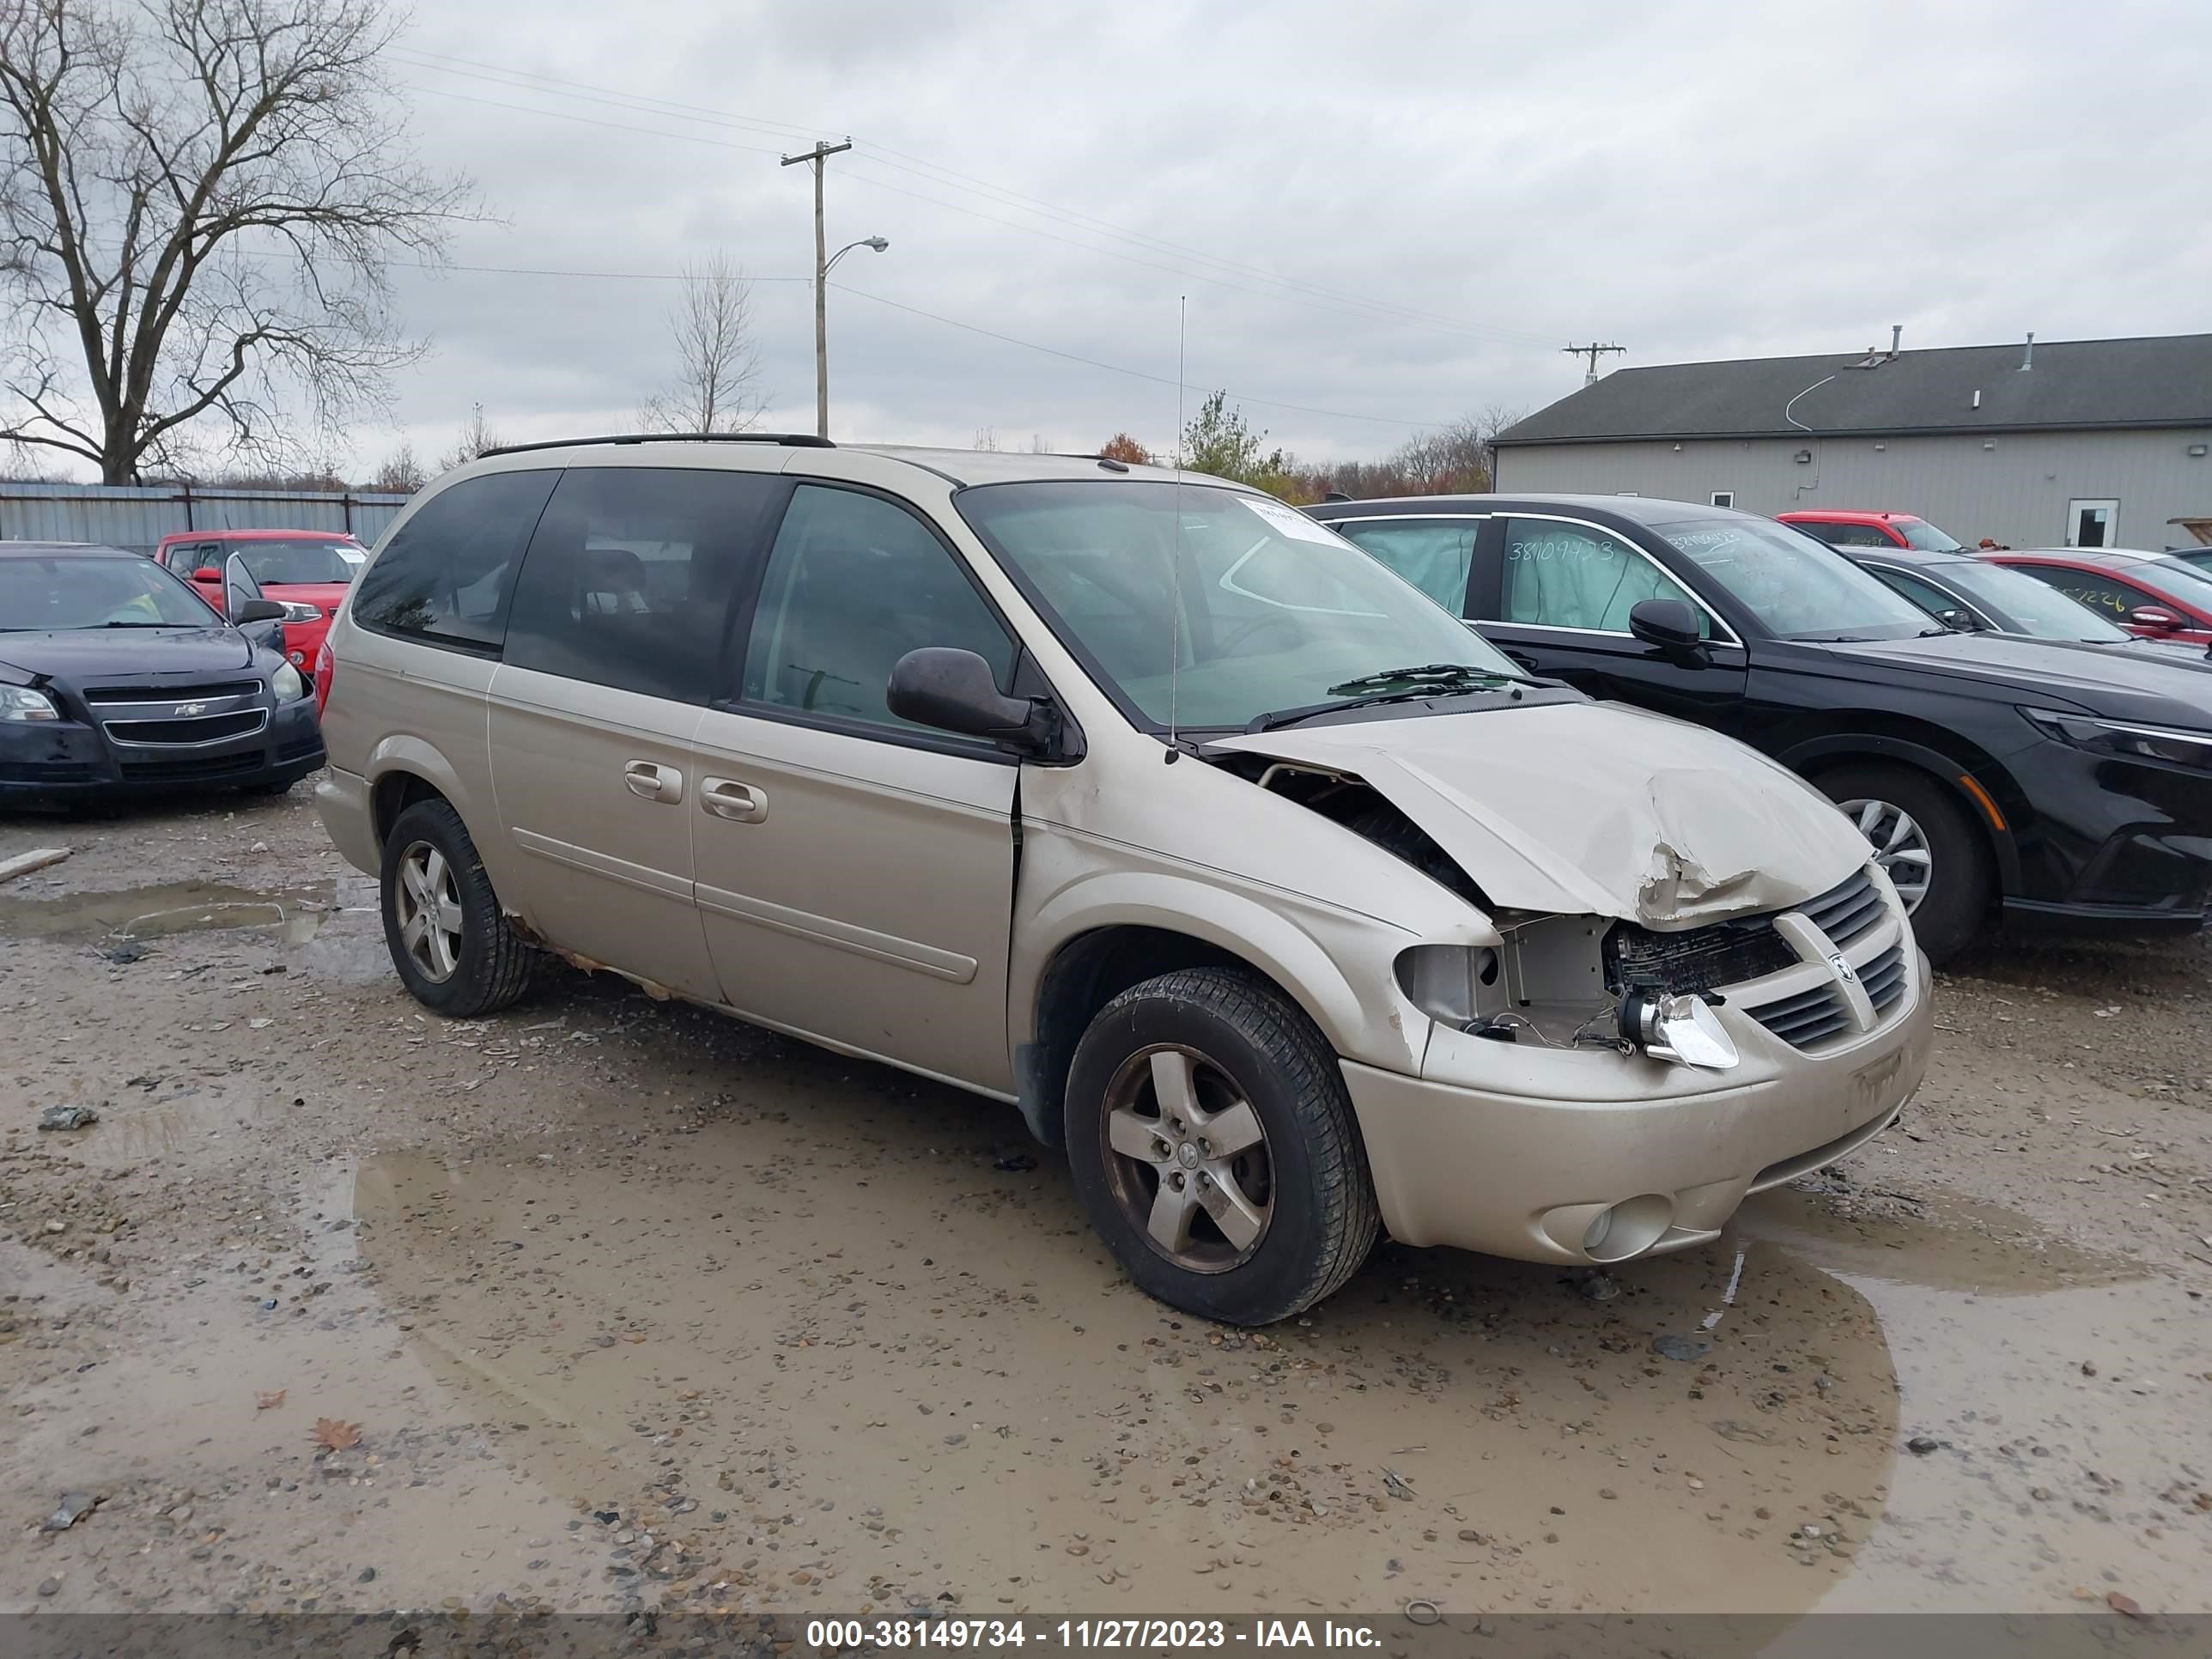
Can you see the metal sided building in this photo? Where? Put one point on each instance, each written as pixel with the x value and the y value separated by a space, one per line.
pixel 2054 443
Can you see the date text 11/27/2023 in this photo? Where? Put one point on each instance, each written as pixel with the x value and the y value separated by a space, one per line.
pixel 1137 1635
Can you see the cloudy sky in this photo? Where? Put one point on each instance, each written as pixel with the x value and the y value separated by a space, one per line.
pixel 1382 216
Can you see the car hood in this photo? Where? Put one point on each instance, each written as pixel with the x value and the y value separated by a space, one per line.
pixel 1593 809
pixel 2117 681
pixel 76 652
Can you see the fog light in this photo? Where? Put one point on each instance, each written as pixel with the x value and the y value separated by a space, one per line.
pixel 1684 1030
pixel 299 659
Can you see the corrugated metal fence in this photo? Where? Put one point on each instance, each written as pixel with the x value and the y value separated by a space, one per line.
pixel 137 516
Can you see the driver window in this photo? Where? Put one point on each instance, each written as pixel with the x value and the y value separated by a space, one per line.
pixel 1566 575
pixel 1932 599
pixel 852 584
pixel 2101 594
pixel 1433 553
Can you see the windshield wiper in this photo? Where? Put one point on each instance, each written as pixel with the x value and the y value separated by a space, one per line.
pixel 132 624
pixel 1280 717
pixel 1432 673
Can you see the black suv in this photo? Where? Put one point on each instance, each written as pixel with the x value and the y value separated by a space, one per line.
pixel 2050 785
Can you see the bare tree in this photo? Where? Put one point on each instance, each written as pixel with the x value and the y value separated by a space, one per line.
pixel 717 386
pixel 401 473
pixel 474 439
pixel 199 202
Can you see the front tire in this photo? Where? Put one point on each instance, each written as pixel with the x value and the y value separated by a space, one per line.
pixel 448 938
pixel 1932 853
pixel 1212 1143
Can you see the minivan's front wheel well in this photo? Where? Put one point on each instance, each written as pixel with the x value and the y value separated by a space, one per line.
pixel 392 794
pixel 1088 973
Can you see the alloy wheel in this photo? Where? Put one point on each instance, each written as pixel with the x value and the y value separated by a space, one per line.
pixel 428 906
pixel 1900 847
pixel 1187 1160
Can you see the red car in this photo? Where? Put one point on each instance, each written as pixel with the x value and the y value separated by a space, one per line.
pixel 1841 529
pixel 305 571
pixel 2155 595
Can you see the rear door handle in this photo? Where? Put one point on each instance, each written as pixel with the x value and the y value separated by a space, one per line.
pixel 725 797
pixel 652 782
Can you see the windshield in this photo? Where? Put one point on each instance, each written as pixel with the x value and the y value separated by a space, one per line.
pixel 2178 580
pixel 72 590
pixel 1267 611
pixel 1918 532
pixel 2199 559
pixel 2033 607
pixel 1801 589
pixel 275 563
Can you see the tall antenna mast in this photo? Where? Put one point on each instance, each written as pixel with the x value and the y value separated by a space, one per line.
pixel 1175 566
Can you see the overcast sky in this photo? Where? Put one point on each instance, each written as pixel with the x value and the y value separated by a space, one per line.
pixel 1390 215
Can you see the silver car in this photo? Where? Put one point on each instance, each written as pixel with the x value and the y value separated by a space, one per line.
pixel 1258 882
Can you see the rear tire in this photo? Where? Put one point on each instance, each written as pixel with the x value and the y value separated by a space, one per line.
pixel 1212 1143
pixel 1959 866
pixel 448 938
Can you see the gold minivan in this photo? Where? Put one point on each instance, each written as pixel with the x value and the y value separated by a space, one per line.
pixel 1287 906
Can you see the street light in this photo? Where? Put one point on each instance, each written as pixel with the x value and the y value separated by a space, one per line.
pixel 877 244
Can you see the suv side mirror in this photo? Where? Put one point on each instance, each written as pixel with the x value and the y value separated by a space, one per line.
pixel 206 573
pixel 1668 624
pixel 258 610
pixel 953 690
pixel 1959 621
pixel 2154 616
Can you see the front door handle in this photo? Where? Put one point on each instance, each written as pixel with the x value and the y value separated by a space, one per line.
pixel 725 797
pixel 652 782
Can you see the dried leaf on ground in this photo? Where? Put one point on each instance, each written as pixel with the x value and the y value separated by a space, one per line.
pixel 334 1436
pixel 269 1400
pixel 2123 1605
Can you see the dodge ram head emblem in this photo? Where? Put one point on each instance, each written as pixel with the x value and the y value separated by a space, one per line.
pixel 1843 974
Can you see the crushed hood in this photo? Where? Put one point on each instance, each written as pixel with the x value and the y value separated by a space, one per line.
pixel 1593 809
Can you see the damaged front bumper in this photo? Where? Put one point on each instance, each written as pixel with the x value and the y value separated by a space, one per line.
pixel 1589 1154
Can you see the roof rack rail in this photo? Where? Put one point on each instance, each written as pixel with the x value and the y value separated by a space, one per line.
pixel 791 440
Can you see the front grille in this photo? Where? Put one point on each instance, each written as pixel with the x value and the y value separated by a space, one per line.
pixel 1884 979
pixel 110 694
pixel 198 729
pixel 1806 1018
pixel 1843 913
pixel 1696 959
pixel 192 771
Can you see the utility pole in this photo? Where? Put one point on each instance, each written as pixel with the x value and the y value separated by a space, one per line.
pixel 817 155
pixel 1592 352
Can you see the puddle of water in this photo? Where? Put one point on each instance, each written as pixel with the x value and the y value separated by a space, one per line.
pixel 1935 1242
pixel 178 907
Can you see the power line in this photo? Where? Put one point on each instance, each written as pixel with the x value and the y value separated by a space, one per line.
pixel 1119 368
pixel 1296 291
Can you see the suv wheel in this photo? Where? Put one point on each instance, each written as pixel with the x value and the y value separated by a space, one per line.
pixel 442 922
pixel 1212 1140
pixel 1923 841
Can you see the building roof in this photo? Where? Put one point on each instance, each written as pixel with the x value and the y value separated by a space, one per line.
pixel 2162 382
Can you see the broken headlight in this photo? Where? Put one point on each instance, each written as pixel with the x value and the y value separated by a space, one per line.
pixel 1683 1029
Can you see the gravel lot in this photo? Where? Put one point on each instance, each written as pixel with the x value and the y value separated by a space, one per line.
pixel 607 1302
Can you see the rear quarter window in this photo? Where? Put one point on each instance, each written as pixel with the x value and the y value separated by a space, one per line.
pixel 447 575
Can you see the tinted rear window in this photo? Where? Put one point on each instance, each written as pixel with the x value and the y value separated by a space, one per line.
pixel 448 572
pixel 630 573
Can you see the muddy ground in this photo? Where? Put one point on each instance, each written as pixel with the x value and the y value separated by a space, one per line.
pixel 607 1302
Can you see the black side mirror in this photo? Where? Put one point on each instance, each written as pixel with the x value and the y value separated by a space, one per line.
pixel 1670 625
pixel 1959 622
pixel 953 690
pixel 257 611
